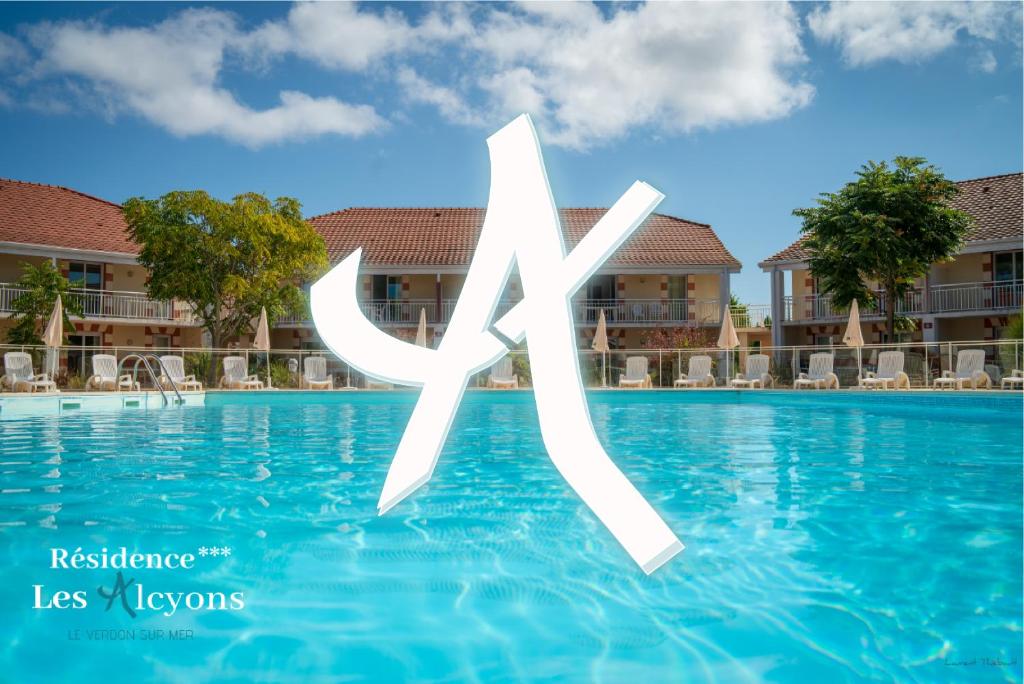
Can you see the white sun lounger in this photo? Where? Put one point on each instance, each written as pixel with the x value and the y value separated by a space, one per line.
pixel 174 369
pixel 105 377
pixel 236 375
pixel 819 373
pixel 889 373
pixel 970 364
pixel 698 374
pixel 20 376
pixel 636 374
pixel 756 374
pixel 501 376
pixel 314 373
pixel 1015 380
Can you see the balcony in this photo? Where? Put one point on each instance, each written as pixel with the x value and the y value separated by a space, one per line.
pixel 680 312
pixel 976 296
pixel 751 316
pixel 107 304
pixel 938 299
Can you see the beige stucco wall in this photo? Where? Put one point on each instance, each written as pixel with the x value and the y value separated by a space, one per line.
pixel 128 336
pixel 125 277
pixel 966 268
pixel 951 329
pixel 641 287
pixel 451 285
pixel 705 286
pixel 798 287
pixel 10 266
pixel 422 287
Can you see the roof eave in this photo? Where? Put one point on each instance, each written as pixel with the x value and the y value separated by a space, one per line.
pixel 52 251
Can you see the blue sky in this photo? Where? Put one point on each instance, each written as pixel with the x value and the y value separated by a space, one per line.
pixel 738 113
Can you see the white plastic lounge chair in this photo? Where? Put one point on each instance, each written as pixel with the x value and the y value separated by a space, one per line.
pixel 889 373
pixel 105 377
pixel 636 374
pixel 20 376
pixel 501 376
pixel 174 369
pixel 1013 381
pixel 235 375
pixel 756 374
pixel 698 374
pixel 314 373
pixel 819 373
pixel 969 372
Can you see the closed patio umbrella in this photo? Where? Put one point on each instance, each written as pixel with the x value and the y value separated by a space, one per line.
pixel 262 341
pixel 600 344
pixel 727 339
pixel 53 336
pixel 421 331
pixel 854 337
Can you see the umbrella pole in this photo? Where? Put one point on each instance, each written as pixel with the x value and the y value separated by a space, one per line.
pixel 860 372
pixel 269 384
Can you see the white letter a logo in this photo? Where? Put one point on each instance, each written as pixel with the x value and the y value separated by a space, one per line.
pixel 521 229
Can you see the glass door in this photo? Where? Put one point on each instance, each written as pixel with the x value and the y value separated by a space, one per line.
pixel 80 353
pixel 1008 274
pixel 88 280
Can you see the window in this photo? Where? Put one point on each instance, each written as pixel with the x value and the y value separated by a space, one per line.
pixel 1008 273
pixel 161 341
pixel 387 287
pixel 601 287
pixel 1009 266
pixel 82 347
pixel 84 276
pixel 755 346
pixel 823 340
pixel 677 287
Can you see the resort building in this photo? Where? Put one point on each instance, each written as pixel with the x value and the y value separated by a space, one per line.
pixel 968 298
pixel 86 238
pixel 671 273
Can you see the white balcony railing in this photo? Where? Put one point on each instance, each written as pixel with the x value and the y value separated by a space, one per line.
pixel 957 297
pixel 648 311
pixel 752 316
pixel 586 312
pixel 976 296
pixel 111 304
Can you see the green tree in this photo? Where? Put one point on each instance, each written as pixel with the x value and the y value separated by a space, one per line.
pixel 888 226
pixel 739 312
pixel 32 308
pixel 226 259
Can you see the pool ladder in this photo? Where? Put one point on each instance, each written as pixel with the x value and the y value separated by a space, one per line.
pixel 145 359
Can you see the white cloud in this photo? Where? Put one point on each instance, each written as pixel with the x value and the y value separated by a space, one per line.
pixel 451 105
pixel 11 51
pixel 667 66
pixel 169 74
pixel 910 32
pixel 334 34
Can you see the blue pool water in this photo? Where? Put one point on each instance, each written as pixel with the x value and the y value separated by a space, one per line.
pixel 829 539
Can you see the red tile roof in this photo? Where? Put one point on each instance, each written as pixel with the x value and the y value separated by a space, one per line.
pixel 447 236
pixel 37 214
pixel 33 213
pixel 995 202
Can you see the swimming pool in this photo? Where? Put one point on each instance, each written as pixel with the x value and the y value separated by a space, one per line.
pixel 829 538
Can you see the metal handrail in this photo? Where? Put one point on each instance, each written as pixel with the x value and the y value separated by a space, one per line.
pixel 144 360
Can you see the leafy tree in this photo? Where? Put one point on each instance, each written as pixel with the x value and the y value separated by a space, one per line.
pixel 739 312
pixel 226 259
pixel 33 308
pixel 888 226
